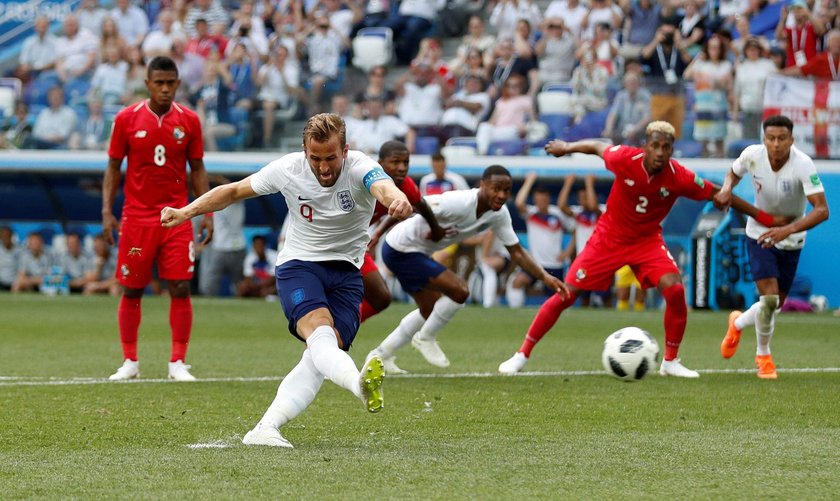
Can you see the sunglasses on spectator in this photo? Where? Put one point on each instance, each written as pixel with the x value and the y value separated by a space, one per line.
pixel 554 26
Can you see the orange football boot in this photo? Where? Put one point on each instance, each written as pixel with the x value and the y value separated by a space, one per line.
pixel 766 367
pixel 729 345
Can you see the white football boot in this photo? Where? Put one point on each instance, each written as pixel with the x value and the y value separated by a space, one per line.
pixel 179 371
pixel 676 369
pixel 514 364
pixel 430 349
pixel 129 370
pixel 391 366
pixel 266 435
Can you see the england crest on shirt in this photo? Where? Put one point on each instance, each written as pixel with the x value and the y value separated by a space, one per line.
pixel 345 200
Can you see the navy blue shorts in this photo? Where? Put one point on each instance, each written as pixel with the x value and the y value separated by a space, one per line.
pixel 773 263
pixel 412 269
pixel 304 286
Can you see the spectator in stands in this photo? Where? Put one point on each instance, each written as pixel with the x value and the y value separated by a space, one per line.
pixel 602 47
pixel 475 40
pixel 102 274
pixel 800 39
pixel 513 110
pixel 91 15
pixel 54 123
pixel 135 79
pixel 474 67
pixel 412 22
pixel 629 114
pixel 712 76
pixel 190 69
pixel 571 12
pixel 353 116
pixel 692 29
pixel 641 21
pixel 132 21
pixel 421 101
pixel 375 13
pixel 210 10
pixel 34 262
pixel 748 98
pixel 248 28
pixel 110 79
pixel 74 262
pixel 258 269
pixel 441 180
pixel 431 54
pixel 16 129
pixel 180 9
pixel 203 41
pixel 524 40
pixel 38 52
pixel 109 36
pixel 376 89
pixel 466 109
pixel 213 103
pixel 589 87
pixel 159 42
pixel 243 71
pixel 666 63
pixel 225 254
pixel 507 64
pixel 343 14
pixel 601 11
pixel 506 13
pixel 825 65
pixel 93 131
pixel 285 27
pixel 279 83
pixel 779 58
pixel 9 255
pixel 380 128
pixel 323 45
pixel 556 52
pixel 75 51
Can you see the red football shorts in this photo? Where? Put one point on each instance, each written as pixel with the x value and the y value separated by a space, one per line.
pixel 369 265
pixel 141 246
pixel 594 269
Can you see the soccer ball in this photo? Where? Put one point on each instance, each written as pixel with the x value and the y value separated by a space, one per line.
pixel 630 353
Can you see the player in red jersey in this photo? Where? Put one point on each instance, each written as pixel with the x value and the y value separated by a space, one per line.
pixel 648 183
pixel 393 157
pixel 159 137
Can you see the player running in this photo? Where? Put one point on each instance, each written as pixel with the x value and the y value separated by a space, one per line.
pixel 438 292
pixel 648 183
pixel 784 178
pixel 330 192
pixel 159 137
pixel 393 157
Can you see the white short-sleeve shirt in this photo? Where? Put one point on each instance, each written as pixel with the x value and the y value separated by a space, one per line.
pixel 325 224
pixel 454 210
pixel 545 234
pixel 783 192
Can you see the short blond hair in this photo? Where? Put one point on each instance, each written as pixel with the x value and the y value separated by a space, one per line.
pixel 323 126
pixel 661 127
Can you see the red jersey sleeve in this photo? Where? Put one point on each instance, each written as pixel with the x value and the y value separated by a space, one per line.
pixel 412 192
pixel 118 147
pixel 616 158
pixel 693 186
pixel 195 150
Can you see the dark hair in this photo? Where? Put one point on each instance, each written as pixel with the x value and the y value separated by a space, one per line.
pixel 259 238
pixel 389 148
pixel 494 170
pixel 542 189
pixel 161 63
pixel 778 121
pixel 438 157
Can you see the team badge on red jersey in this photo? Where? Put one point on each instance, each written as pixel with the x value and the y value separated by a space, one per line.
pixel 124 271
pixel 663 192
pixel 135 251
pixel 178 133
pixel 581 274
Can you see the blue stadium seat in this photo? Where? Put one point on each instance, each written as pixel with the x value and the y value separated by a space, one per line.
pixel 462 141
pixel 75 91
pixel 686 148
pixel 512 147
pixel 557 123
pixel 558 87
pixel 591 126
pixel 236 142
pixel 426 145
pixel 734 149
pixel 38 90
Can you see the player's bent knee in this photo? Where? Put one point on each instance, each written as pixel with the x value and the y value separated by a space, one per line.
pixel 132 293
pixel 674 293
pixel 770 302
pixel 379 302
pixel 460 295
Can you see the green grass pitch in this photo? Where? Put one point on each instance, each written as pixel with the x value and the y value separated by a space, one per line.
pixel 474 435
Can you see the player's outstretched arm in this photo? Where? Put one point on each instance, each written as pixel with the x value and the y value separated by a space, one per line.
pixel 387 193
pixel 559 148
pixel 437 232
pixel 521 200
pixel 723 198
pixel 216 199
pixel 563 197
pixel 817 215
pixel 521 257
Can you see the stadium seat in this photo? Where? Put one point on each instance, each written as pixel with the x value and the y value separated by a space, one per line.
pixel 10 91
pixel 734 149
pixel 236 142
pixel 459 146
pixel 373 47
pixel 38 90
pixel 554 102
pixel 590 126
pixel 426 145
pixel 686 148
pixel 512 147
pixel 75 91
pixel 558 87
pixel 557 123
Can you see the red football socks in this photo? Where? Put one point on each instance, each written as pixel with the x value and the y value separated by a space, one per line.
pixel 128 318
pixel 366 311
pixel 546 318
pixel 676 314
pixel 180 320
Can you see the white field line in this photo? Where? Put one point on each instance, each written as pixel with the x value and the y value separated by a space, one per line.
pixel 46 381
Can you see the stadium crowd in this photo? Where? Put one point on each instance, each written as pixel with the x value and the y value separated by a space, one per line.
pixel 521 71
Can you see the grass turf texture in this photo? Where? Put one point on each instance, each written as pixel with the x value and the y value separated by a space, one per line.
pixel 725 435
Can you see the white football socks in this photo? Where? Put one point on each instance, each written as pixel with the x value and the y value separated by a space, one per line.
pixel 442 313
pixel 335 364
pixel 402 335
pixel 489 285
pixel 747 318
pixel 515 295
pixel 296 392
pixel 765 323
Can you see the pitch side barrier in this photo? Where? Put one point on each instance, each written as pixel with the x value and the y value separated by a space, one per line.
pixel 63 186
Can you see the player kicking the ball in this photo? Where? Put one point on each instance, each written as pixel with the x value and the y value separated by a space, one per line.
pixel 648 183
pixel 784 179
pixel 330 192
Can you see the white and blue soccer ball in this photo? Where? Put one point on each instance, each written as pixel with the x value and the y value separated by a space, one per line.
pixel 630 353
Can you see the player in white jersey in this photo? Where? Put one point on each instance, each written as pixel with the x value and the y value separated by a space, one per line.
pixel 330 192
pixel 546 225
pixel 441 180
pixel 784 179
pixel 438 292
